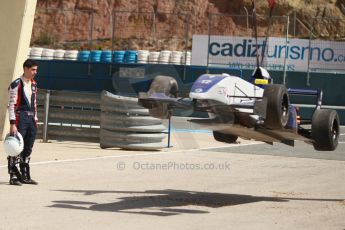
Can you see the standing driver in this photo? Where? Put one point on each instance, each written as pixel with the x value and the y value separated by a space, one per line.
pixel 23 119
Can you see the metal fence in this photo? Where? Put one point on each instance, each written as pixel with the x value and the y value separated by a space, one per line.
pixel 234 33
pixel 325 55
pixel 68 115
pixel 150 30
pixel 116 30
pixel 156 31
pixel 76 31
pixel 111 120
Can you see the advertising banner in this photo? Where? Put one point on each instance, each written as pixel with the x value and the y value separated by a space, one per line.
pixel 240 52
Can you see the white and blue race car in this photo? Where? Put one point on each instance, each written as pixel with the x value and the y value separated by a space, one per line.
pixel 255 109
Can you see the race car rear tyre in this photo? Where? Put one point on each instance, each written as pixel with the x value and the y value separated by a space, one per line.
pixel 277 112
pixel 168 86
pixel 325 129
pixel 224 137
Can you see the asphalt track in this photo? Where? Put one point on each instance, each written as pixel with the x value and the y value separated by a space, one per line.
pixel 301 150
pixel 196 184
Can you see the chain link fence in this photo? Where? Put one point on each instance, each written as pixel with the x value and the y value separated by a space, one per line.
pixel 76 30
pixel 229 38
pixel 152 31
pixel 232 42
pixel 327 50
pixel 123 30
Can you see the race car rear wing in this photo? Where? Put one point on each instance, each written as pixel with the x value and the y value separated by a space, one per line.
pixel 308 92
pixel 317 93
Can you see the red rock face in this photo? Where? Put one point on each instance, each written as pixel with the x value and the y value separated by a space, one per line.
pixel 78 22
pixel 81 21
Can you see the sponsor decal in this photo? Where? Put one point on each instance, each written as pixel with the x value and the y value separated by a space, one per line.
pixel 241 52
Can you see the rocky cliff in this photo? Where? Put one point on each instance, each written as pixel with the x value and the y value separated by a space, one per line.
pixel 175 21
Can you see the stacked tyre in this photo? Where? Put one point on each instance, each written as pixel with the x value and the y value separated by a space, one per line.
pixel 153 57
pixel 36 52
pixel 71 55
pixel 176 57
pixel 84 55
pixel 59 54
pixel 106 56
pixel 143 56
pixel 130 56
pixel 164 57
pixel 47 54
pixel 125 124
pixel 95 55
pixel 118 56
pixel 186 58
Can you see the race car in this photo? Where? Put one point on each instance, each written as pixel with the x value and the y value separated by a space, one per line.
pixel 255 109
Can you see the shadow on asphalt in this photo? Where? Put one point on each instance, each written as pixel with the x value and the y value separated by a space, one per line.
pixel 167 202
pixel 301 150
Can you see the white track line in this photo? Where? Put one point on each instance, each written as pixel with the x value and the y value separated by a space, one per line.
pixel 143 154
pixel 133 155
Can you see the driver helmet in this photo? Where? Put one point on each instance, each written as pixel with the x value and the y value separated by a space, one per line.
pixel 13 144
pixel 261 77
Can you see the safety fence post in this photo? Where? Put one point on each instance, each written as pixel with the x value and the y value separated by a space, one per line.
pixel 169 132
pixel 46 114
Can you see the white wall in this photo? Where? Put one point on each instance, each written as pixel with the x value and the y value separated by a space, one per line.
pixel 16 21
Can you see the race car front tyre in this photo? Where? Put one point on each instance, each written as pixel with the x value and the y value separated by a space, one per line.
pixel 224 137
pixel 277 112
pixel 325 129
pixel 164 84
pixel 168 86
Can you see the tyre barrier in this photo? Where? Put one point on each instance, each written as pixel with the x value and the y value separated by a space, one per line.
pixel 164 57
pixel 47 54
pixel 120 104
pixel 29 51
pixel 119 100
pixel 124 110
pixel 130 141
pixel 186 58
pixel 130 56
pixel 71 55
pixel 175 57
pixel 130 120
pixel 130 137
pixel 106 56
pixel 153 57
pixel 84 55
pixel 36 52
pixel 108 119
pixel 95 55
pixel 59 54
pixel 125 124
pixel 143 56
pixel 135 129
pixel 117 56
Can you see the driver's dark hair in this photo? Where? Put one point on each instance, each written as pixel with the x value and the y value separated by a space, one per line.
pixel 29 63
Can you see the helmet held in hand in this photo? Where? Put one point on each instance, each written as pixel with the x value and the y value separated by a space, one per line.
pixel 13 144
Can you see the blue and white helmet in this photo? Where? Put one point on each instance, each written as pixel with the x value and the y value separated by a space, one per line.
pixel 261 77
